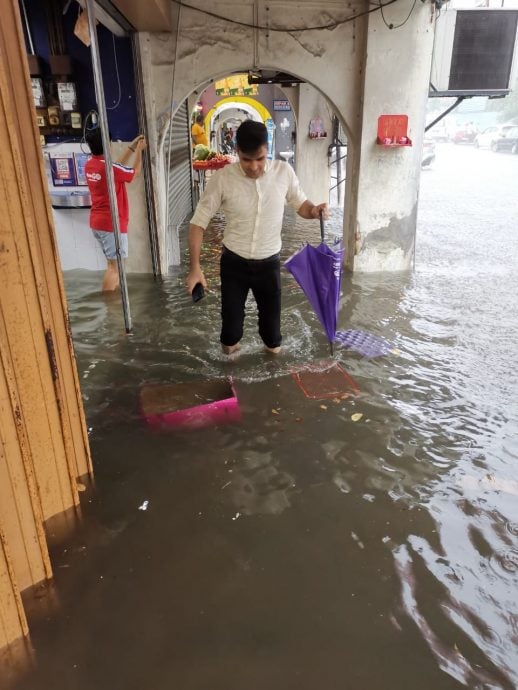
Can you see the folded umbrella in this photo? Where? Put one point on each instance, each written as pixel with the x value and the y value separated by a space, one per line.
pixel 318 271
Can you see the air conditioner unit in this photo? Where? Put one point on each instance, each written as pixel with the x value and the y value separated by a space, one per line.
pixel 474 52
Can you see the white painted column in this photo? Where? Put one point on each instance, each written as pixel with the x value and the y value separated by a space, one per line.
pixel 397 74
pixel 311 157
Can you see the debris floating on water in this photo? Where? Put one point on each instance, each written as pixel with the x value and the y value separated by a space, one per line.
pixel 144 505
pixel 357 540
pixel 236 516
pixel 356 416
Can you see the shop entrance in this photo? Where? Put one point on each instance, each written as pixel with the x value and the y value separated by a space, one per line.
pixel 62 80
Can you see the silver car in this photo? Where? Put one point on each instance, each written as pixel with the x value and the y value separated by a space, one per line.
pixel 488 136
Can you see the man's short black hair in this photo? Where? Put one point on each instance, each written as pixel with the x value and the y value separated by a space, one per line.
pixel 95 141
pixel 251 136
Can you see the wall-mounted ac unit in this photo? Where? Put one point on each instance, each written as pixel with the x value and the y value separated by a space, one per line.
pixel 474 52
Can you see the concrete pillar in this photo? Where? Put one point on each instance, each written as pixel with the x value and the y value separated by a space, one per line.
pixel 311 159
pixel 397 71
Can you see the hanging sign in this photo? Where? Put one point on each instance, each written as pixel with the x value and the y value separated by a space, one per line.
pixel 235 85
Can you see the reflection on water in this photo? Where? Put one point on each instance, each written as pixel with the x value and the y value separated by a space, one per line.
pixel 300 548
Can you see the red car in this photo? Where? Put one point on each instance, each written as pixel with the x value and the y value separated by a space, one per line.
pixel 465 135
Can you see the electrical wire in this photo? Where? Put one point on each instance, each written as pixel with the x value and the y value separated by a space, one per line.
pixel 114 107
pixel 396 26
pixel 89 115
pixel 331 25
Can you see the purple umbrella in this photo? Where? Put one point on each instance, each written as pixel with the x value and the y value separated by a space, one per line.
pixel 318 271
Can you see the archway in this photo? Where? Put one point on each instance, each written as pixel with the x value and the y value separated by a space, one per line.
pixel 311 156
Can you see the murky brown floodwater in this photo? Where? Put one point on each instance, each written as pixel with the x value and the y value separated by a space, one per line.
pixel 302 549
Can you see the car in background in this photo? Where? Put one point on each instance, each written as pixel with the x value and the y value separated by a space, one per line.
pixel 465 134
pixel 486 138
pixel 439 133
pixel 507 141
pixel 428 153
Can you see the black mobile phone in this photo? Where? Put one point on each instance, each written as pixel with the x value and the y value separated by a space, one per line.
pixel 198 292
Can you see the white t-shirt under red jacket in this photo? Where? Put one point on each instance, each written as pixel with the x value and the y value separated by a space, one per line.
pixel 100 214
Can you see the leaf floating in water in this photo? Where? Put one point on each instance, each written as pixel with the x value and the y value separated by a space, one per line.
pixel 356 416
pixel 275 412
pixel 323 407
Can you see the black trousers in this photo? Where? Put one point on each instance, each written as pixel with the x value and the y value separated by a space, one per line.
pixel 263 277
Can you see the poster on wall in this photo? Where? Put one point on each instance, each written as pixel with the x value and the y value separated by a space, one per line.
pixel 80 162
pixel 62 169
pixel 281 104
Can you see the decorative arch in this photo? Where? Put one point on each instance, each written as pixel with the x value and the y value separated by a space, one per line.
pixel 245 102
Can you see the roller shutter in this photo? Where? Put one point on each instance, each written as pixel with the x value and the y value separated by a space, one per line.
pixel 180 182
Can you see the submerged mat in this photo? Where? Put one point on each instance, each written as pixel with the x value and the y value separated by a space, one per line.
pixel 325 380
pixel 364 343
pixel 192 404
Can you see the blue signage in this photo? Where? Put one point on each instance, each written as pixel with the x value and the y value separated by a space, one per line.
pixel 279 104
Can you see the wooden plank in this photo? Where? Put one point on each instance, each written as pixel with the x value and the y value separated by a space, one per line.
pixel 31 291
pixel 13 623
pixel 20 507
pixel 46 264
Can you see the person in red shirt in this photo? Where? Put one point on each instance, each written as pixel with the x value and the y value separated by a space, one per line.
pixel 100 213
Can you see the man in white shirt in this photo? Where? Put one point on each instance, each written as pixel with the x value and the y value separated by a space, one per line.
pixel 252 194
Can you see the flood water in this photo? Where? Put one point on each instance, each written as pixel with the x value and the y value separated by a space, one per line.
pixel 298 548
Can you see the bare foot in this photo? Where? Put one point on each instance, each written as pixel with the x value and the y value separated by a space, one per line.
pixel 272 350
pixel 230 349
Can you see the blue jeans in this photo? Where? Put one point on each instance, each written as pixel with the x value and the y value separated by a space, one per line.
pixel 106 239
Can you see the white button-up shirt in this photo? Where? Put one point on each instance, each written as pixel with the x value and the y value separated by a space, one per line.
pixel 253 208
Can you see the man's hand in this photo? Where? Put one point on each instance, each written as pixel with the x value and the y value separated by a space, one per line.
pixel 194 277
pixel 315 211
pixel 137 141
pixel 308 210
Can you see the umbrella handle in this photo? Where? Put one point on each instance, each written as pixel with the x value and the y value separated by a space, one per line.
pixel 321 215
